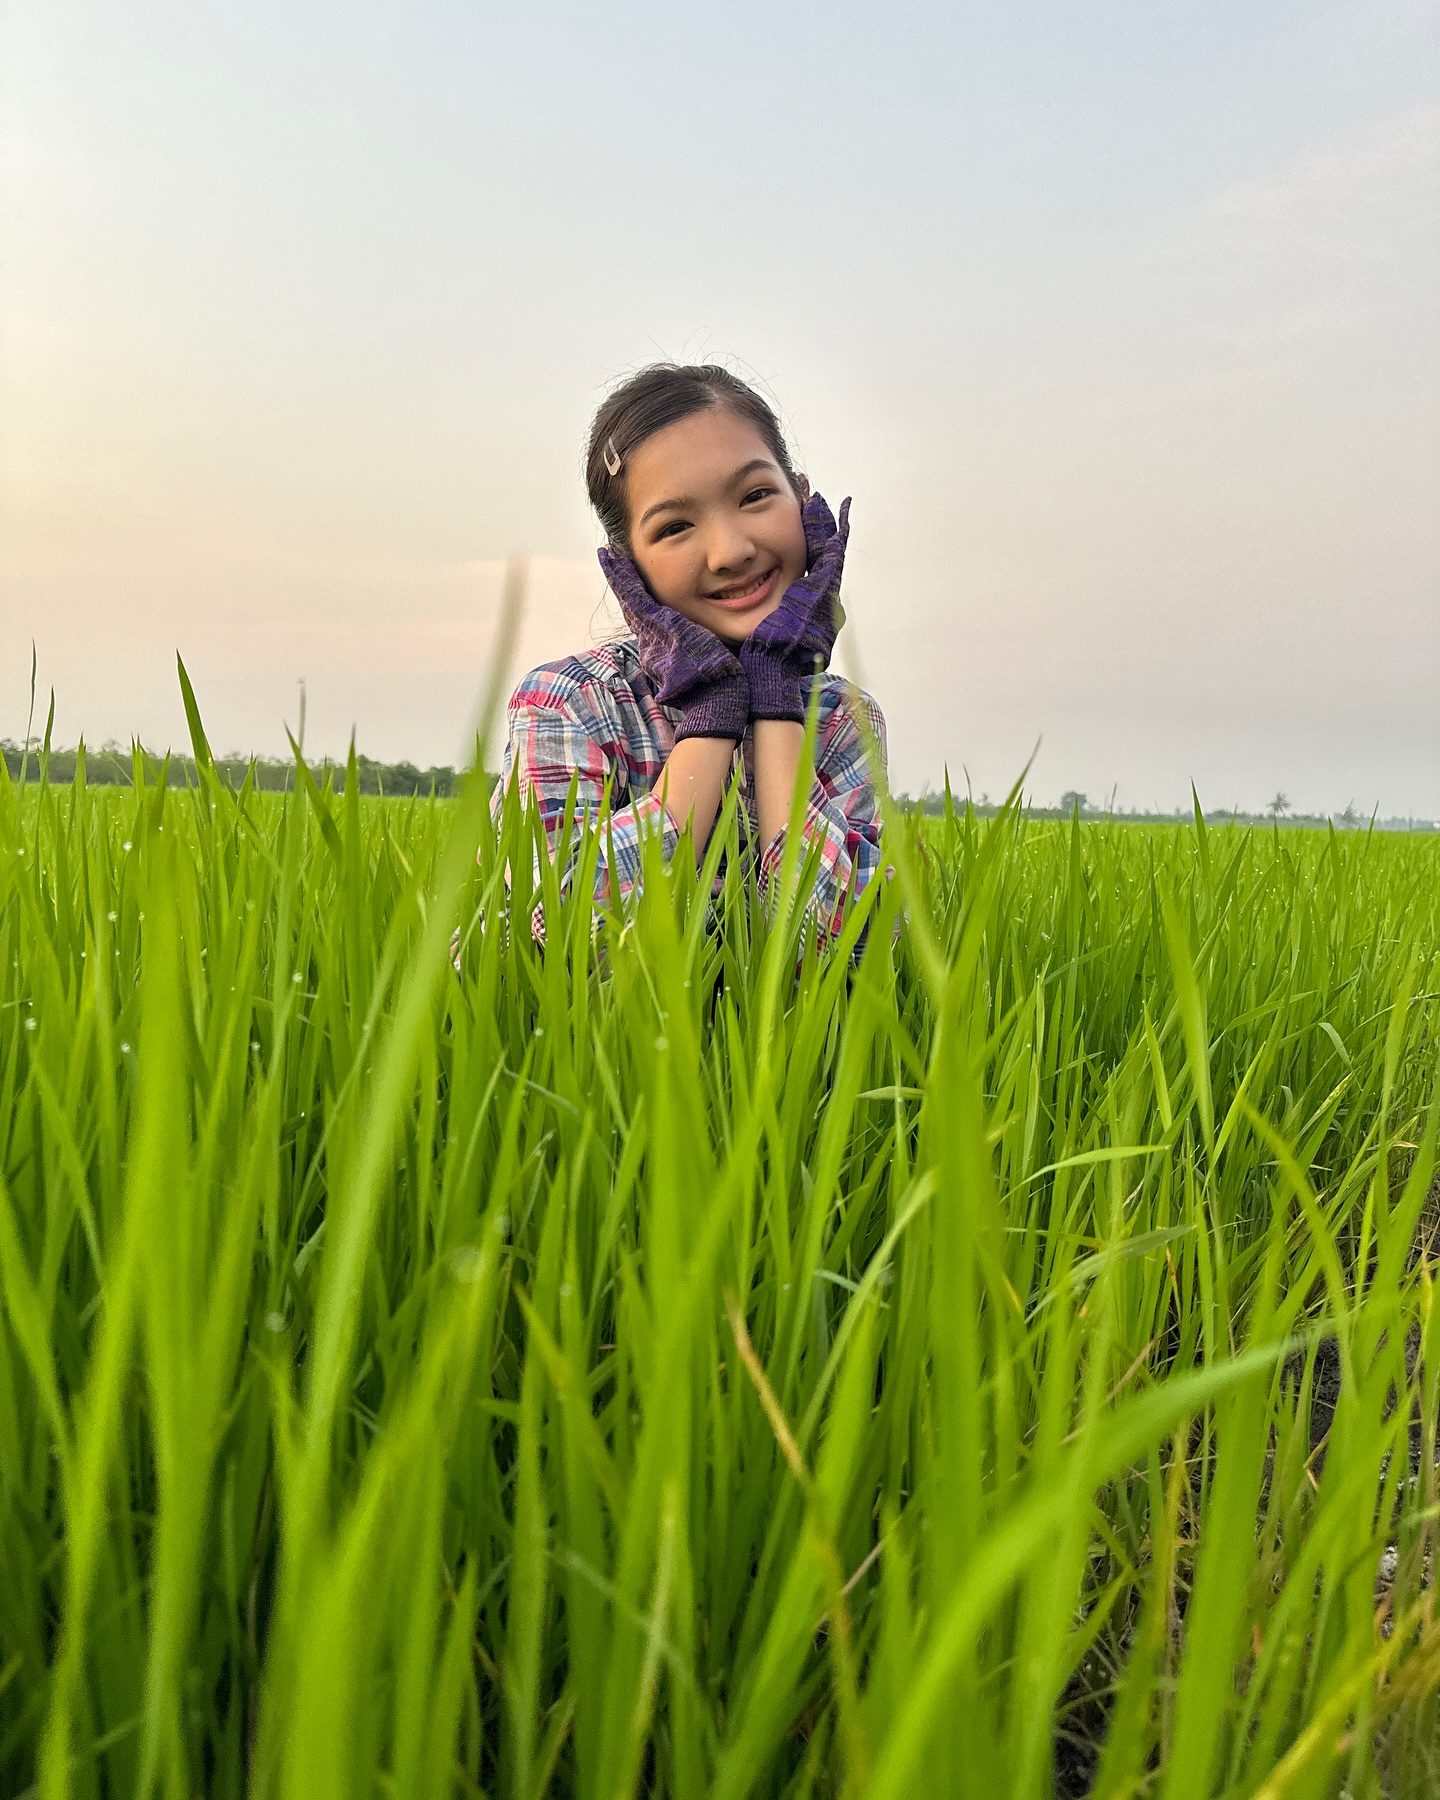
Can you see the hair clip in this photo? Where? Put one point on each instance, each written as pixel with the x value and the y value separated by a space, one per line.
pixel 612 456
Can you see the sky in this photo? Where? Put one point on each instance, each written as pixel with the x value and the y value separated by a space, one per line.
pixel 1120 322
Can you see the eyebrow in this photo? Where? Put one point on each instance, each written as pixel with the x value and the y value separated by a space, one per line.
pixel 683 502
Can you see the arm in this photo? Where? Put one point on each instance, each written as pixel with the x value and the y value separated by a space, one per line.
pixel 842 814
pixel 559 733
pixel 778 744
pixel 692 785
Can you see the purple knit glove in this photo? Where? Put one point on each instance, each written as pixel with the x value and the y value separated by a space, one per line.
pixel 691 668
pixel 797 638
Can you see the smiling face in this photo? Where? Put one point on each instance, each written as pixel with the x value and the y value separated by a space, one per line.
pixel 714 524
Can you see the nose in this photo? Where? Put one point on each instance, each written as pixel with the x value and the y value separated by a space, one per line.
pixel 728 546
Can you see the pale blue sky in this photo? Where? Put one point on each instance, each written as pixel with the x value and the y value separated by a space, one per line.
pixel 1121 323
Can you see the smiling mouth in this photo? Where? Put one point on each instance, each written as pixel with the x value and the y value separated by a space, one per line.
pixel 741 597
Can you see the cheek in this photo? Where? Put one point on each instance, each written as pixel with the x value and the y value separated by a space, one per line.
pixel 792 551
pixel 669 573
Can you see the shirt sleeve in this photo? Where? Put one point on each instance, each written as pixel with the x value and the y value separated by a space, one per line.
pixel 842 816
pixel 557 735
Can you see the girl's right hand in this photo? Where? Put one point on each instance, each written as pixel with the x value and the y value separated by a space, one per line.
pixel 691 668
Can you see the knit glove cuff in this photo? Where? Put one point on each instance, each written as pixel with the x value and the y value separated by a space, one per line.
pixel 721 709
pixel 775 689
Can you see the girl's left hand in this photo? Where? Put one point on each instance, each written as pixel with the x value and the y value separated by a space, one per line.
pixel 796 639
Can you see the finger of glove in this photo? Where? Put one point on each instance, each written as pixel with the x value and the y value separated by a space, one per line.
pixel 655 642
pixel 627 584
pixel 655 626
pixel 708 653
pixel 683 663
pixel 798 631
pixel 807 609
pixel 827 558
pixel 680 655
pixel 819 524
pixel 649 616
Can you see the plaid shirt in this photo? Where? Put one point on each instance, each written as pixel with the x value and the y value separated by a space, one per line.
pixel 597 715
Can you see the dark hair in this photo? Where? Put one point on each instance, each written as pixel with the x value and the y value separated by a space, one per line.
pixel 662 394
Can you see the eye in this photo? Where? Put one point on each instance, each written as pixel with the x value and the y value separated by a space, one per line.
pixel 760 493
pixel 670 529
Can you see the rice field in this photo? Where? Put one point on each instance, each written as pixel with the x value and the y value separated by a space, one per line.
pixel 997 1356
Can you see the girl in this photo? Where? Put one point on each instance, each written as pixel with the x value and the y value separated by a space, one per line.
pixel 727 569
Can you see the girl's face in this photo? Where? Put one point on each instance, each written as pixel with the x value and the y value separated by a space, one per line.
pixel 715 526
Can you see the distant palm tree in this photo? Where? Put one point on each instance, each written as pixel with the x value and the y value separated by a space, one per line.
pixel 1279 806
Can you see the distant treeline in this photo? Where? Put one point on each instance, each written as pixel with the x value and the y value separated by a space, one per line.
pixel 1347 819
pixel 111 766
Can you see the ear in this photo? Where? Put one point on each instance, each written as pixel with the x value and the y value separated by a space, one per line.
pixel 804 488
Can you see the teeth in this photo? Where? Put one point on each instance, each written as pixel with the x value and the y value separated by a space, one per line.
pixel 740 593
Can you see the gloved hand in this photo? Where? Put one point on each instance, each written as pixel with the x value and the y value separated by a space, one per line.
pixel 689 665
pixel 797 638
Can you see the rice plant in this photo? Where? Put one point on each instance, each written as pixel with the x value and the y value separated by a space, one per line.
pixel 996 1354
